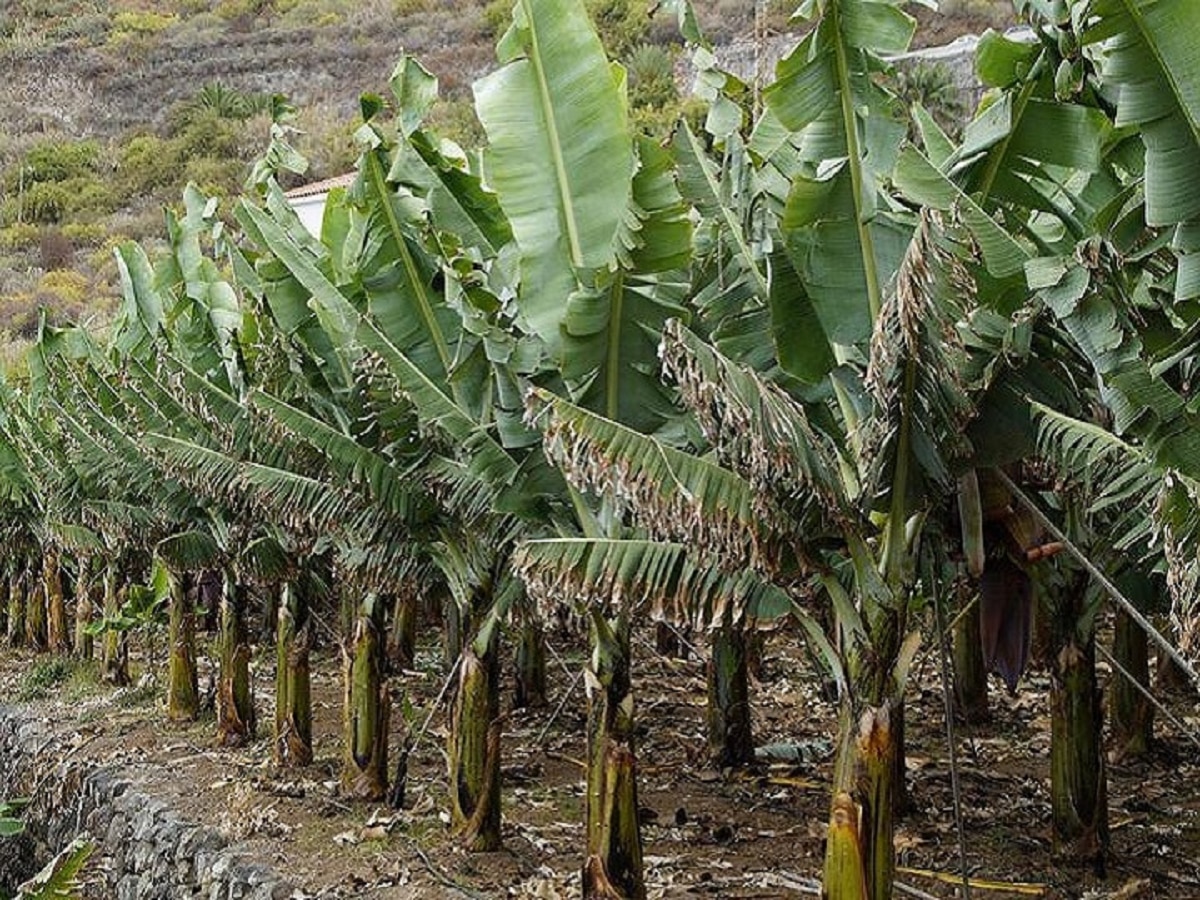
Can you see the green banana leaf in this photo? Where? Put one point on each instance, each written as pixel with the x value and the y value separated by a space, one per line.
pixel 1152 56
pixel 559 156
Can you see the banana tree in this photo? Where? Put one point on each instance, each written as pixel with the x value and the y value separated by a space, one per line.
pixel 604 240
pixel 16 490
pixel 310 505
pixel 103 406
pixel 1089 187
pixel 1148 516
pixel 290 268
pixel 416 216
pixel 785 498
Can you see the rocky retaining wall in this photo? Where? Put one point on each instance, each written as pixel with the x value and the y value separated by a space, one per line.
pixel 144 849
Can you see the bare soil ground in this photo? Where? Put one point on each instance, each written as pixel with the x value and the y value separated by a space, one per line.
pixel 751 834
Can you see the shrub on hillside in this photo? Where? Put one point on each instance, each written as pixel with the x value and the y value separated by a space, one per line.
pixel 91 29
pixel 218 100
pixel 215 177
pixel 651 76
pixel 212 139
pixel 241 10
pixel 55 160
pixel 56 179
pixel 622 24
pixel 209 134
pixel 146 164
pixel 52 202
pixel 20 236
pixel 80 233
pixel 138 28
pixel 65 295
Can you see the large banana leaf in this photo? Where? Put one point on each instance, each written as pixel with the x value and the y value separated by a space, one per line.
pixel 844 132
pixel 207 316
pixel 395 271
pixel 759 431
pixel 924 183
pixel 1151 55
pixel 731 276
pixel 457 201
pixel 559 153
pixel 355 463
pixel 674 495
pixel 296 281
pixel 610 332
pixel 707 187
pixel 488 460
pixel 143 311
pixel 1141 400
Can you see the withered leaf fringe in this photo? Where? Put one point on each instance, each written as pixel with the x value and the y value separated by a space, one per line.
pixel 674 496
pixel 758 431
pixel 636 574
pixel 917 362
pixel 1179 512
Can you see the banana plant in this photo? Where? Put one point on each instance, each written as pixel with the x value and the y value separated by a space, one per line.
pixel 782 509
pixel 373 294
pixel 1072 151
pixel 604 242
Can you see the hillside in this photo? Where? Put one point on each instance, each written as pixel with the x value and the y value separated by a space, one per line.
pixel 111 106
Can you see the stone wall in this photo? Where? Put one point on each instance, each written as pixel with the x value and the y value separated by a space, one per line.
pixel 144 849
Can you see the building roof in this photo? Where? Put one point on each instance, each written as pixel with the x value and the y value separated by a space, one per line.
pixel 322 187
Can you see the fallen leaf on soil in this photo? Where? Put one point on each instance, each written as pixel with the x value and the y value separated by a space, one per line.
pixel 806 783
pixel 1027 888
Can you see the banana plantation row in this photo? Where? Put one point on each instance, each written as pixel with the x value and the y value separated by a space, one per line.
pixel 813 359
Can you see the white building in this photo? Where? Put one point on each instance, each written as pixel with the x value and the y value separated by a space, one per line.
pixel 309 200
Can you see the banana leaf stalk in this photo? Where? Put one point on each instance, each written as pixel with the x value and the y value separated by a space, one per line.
pixel 613 866
pixel 730 739
pixel 183 694
pixel 16 609
pixel 115 657
pixel 235 694
pixel 85 644
pixel 293 694
pixel 366 705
